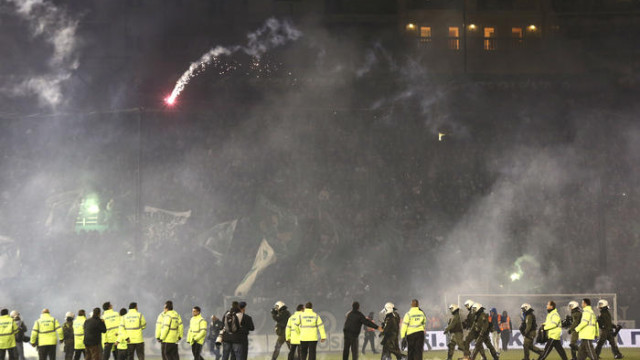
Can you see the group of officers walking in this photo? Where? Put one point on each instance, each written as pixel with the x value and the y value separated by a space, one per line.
pixel 120 333
pixel 583 326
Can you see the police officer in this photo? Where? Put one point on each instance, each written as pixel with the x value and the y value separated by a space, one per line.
pixel 454 330
pixel 606 328
pixel 553 327
pixel 197 333
pixel 308 325
pixel 293 337
pixel 45 335
pixel 467 324
pixel 528 330
pixel 8 330
pixel 482 330
pixel 134 323
pixel 67 336
pixel 112 322
pixel 78 335
pixel 576 317
pixel 172 331
pixel 390 332
pixel 587 332
pixel 412 332
pixel 280 315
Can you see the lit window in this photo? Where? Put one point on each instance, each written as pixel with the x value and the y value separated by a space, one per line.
pixel 489 38
pixel 425 33
pixel 454 38
pixel 516 36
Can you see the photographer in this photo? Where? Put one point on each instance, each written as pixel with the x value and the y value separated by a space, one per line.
pixel 280 315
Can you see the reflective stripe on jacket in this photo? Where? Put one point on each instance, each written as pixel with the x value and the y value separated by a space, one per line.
pixel 413 322
pixel 292 333
pixel 112 323
pixel 588 327
pixel 172 328
pixel 78 332
pixel 8 331
pixel 308 324
pixel 46 331
pixel 197 330
pixel 133 323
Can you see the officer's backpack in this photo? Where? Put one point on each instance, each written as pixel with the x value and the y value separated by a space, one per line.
pixel 231 323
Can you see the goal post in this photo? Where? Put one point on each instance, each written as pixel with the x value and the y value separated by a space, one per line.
pixel 512 302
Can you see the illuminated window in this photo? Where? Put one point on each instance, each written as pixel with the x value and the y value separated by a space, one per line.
pixel 489 38
pixel 425 33
pixel 516 36
pixel 454 38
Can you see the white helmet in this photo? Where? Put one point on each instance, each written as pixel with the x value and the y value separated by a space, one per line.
pixel 389 307
pixel 525 307
pixel 468 304
pixel 603 304
pixel 476 306
pixel 69 314
pixel 278 305
pixel 14 314
pixel 573 305
pixel 453 307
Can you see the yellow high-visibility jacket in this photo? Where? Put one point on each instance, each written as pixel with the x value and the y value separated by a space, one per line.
pixel 197 330
pixel 413 321
pixel 172 328
pixel 8 330
pixel 588 327
pixel 133 323
pixel 308 324
pixel 112 323
pixel 293 335
pixel 46 331
pixel 553 325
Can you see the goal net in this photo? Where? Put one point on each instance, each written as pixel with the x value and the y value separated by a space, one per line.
pixel 512 302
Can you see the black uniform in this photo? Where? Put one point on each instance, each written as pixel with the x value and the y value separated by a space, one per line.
pixel 528 331
pixel 391 330
pixel 471 335
pixel 280 316
pixel 68 339
pixel 606 333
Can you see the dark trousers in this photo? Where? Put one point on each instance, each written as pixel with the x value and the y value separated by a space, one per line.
pixel 553 344
pixel 415 345
pixel 487 342
pixel 276 350
pixel 121 354
pixel 585 350
pixel 369 337
pixel 77 353
pixel 163 350
pixel 68 353
pixel 138 349
pixel 231 348
pixel 350 343
pixel 308 348
pixel 294 352
pixel 94 352
pixel 47 351
pixel 12 353
pixel 478 349
pixel 170 351
pixel 106 352
pixel 196 350
pixel 528 347
pixel 505 336
pixel 612 341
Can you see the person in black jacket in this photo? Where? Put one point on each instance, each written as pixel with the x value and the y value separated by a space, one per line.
pixel 215 326
pixel 246 325
pixel 352 325
pixel 21 336
pixel 280 315
pixel 94 327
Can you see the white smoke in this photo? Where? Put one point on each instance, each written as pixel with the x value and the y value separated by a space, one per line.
pixel 56 27
pixel 272 34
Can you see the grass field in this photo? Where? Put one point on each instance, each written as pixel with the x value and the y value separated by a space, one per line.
pixel 629 354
